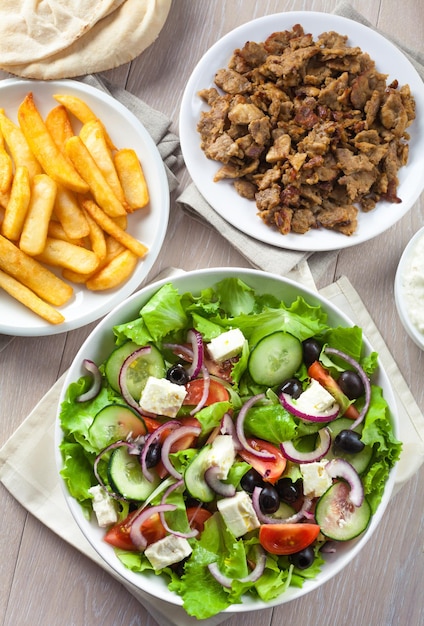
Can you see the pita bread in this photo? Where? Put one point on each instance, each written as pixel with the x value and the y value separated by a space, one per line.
pixel 112 41
pixel 31 30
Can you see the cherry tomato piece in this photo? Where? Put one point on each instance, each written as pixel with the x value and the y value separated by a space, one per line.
pixel 197 516
pixel 287 538
pixel 269 469
pixel 217 392
pixel 119 534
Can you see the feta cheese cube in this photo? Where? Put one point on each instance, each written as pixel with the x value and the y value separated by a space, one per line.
pixel 226 345
pixel 315 398
pixel 167 551
pixel 222 455
pixel 162 397
pixel 104 506
pixel 316 479
pixel 238 513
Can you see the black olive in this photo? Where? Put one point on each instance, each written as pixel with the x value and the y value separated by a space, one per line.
pixel 177 374
pixel 269 501
pixel 153 454
pixel 351 384
pixel 303 559
pixel 348 441
pixel 250 480
pixel 292 386
pixel 311 351
pixel 288 490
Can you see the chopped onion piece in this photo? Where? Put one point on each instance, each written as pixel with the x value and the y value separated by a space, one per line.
pixel 222 489
pixel 196 341
pixel 312 415
pixel 229 428
pixel 182 431
pixel 266 519
pixel 96 383
pixel 264 454
pixel 150 439
pixel 290 452
pixel 254 575
pixel 122 379
pixel 364 378
pixel 136 535
pixel 192 533
pixel 339 468
pixel 206 386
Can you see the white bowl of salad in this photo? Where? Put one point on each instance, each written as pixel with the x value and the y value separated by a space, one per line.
pixel 227 440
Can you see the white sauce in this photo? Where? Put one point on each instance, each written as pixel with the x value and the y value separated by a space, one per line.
pixel 413 285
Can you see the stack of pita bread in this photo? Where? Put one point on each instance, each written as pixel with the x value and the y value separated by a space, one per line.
pixel 53 39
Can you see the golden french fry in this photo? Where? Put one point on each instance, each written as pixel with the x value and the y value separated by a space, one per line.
pixel 93 136
pixel 4 199
pixel 29 299
pixel 97 238
pixel 87 167
pixel 121 221
pixel 6 167
pixel 81 111
pixel 109 226
pixel 59 253
pixel 59 126
pixel 57 231
pixel 113 248
pixel 132 178
pixel 114 273
pixel 34 230
pixel 33 274
pixel 17 207
pixel 18 146
pixel 44 148
pixel 70 214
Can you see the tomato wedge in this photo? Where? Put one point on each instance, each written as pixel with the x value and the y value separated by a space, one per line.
pixel 197 516
pixel 269 469
pixel 217 392
pixel 319 373
pixel 287 538
pixel 119 534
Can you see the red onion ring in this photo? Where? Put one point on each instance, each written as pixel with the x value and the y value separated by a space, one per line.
pixel 290 452
pixel 286 401
pixel 182 431
pixel 266 519
pixel 264 454
pixel 339 468
pixel 228 428
pixel 254 575
pixel 364 378
pixel 189 535
pixel 96 383
pixel 196 341
pixel 206 386
pixel 122 379
pixel 150 439
pixel 136 536
pixel 222 489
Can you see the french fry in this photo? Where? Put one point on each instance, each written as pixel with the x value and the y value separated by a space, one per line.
pixel 56 231
pixel 4 199
pixel 81 111
pixel 6 167
pixel 121 221
pixel 110 227
pixel 113 248
pixel 93 136
pixel 132 178
pixel 34 230
pixel 97 238
pixel 117 271
pixel 59 253
pixel 18 146
pixel 44 148
pixel 29 299
pixel 87 167
pixel 59 126
pixel 33 274
pixel 70 214
pixel 17 207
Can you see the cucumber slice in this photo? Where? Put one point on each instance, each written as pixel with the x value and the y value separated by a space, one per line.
pixel 337 517
pixel 126 476
pixel 115 422
pixel 359 460
pixel 150 364
pixel 194 476
pixel 275 358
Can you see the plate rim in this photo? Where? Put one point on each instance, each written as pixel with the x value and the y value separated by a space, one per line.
pixel 307 242
pixel 41 328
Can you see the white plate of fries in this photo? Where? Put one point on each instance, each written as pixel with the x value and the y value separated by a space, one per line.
pixel 84 205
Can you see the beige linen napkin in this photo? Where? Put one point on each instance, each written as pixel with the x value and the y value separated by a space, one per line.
pixel 262 255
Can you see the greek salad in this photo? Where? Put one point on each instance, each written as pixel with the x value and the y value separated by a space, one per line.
pixel 228 442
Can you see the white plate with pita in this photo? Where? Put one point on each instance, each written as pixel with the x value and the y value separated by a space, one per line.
pixel 147 225
pixel 242 213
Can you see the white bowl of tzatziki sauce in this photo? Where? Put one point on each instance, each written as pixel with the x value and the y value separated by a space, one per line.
pixel 409 288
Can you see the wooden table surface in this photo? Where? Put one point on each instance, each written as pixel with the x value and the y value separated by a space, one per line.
pixel 46 582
